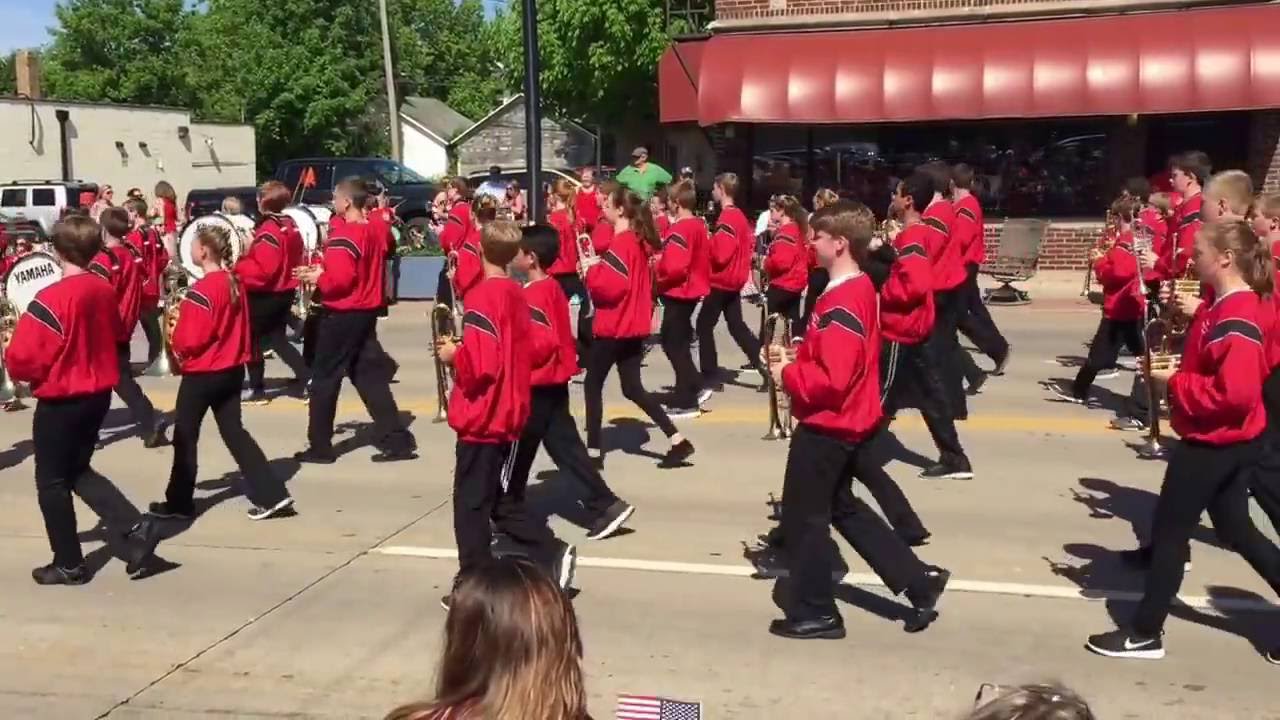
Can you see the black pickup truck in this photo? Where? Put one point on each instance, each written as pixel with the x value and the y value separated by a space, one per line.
pixel 313 179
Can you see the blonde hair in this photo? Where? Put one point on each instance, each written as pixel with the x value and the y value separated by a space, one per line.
pixel 485 208
pixel 1252 255
pixel 1161 201
pixel 1234 187
pixel 1034 702
pixel 565 192
pixel 1268 205
pixel 850 220
pixel 231 205
pixel 790 206
pixel 500 241
pixel 1126 208
pixel 217 240
pixel 825 197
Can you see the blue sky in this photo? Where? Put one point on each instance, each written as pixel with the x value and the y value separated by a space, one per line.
pixel 25 23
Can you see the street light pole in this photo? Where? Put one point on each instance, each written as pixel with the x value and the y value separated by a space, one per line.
pixel 532 110
pixel 393 107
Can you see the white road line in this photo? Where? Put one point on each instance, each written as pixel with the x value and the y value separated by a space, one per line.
pixel 1061 592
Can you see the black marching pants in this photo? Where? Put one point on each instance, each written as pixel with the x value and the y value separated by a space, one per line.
pixel 1266 477
pixel 677 345
pixel 819 471
pixel 150 321
pixel 65 431
pixel 219 391
pixel 346 346
pixel 444 289
pixel 572 285
pixel 481 477
pixel 729 304
pixel 269 315
pixel 946 349
pixel 627 354
pixel 777 300
pixel 1201 477
pixel 1105 349
pixel 127 388
pixel 911 378
pixel 818 279
pixel 975 319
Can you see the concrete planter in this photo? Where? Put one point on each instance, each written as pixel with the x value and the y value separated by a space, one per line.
pixel 415 277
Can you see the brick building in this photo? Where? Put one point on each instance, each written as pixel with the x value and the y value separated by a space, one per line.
pixel 1054 102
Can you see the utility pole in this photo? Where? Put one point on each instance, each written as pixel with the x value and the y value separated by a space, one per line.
pixel 393 107
pixel 532 110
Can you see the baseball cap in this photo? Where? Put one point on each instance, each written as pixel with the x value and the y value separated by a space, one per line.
pixel 640 150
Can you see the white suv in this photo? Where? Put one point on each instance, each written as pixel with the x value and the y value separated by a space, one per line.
pixel 42 201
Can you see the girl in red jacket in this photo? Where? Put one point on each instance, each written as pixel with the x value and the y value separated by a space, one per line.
pixel 1123 304
pixel 565 270
pixel 65 346
pixel 211 343
pixel 787 263
pixel 620 285
pixel 1215 406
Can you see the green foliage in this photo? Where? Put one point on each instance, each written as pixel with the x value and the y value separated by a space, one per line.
pixel 8 79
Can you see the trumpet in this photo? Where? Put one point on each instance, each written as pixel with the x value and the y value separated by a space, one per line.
pixel 303 300
pixel 1163 333
pixel 1104 240
pixel 777 332
pixel 446 320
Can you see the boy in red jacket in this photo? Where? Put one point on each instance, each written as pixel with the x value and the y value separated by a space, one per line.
pixel 786 263
pixel 65 346
pixel 835 398
pixel 350 280
pixel 122 269
pixel 147 241
pixel 732 245
pixel 1216 408
pixel 555 360
pixel 1123 305
pixel 457 227
pixel 974 320
pixel 939 218
pixel 212 342
pixel 912 369
pixel 684 279
pixel 488 409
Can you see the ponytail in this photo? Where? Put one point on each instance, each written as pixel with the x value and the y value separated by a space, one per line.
pixel 217 240
pixel 1261 276
pixel 790 206
pixel 636 210
pixel 566 193
pixel 1252 254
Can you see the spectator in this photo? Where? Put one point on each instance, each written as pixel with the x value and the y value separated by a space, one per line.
pixel 642 176
pixel 231 206
pixel 1033 702
pixel 511 650
pixel 514 201
pixel 135 194
pixel 587 205
pixel 493 185
pixel 103 202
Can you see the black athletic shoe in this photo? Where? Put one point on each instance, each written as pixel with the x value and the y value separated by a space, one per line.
pixel 565 564
pixel 611 521
pixel 1063 393
pixel 953 470
pixel 53 575
pixel 388 456
pixel 156 438
pixel 284 507
pixel 141 542
pixel 1272 656
pixel 317 457
pixel 1126 644
pixel 677 455
pixel 1003 362
pixel 165 511
pixel 975 387
pixel 682 413
pixel 915 537
pixel 823 628
pixel 924 598
pixel 446 600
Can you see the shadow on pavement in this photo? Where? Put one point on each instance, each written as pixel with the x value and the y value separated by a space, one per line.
pixel 1133 505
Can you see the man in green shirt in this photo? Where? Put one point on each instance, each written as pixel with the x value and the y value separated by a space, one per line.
pixel 642 176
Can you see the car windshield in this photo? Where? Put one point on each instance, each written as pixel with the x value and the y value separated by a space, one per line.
pixel 393 173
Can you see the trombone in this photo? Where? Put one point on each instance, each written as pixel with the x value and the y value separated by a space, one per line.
pixel 446 322
pixel 777 332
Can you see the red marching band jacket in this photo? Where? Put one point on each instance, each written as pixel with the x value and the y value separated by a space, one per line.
pixel 602 236
pixel 968 231
pixel 684 270
pixel 621 289
pixel 732 244
pixel 276 250
pixel 123 270
pixel 354 269
pixel 948 268
pixel 1270 311
pixel 470 265
pixel 212 333
pixel 834 382
pixel 586 206
pixel 1215 396
pixel 492 370
pixel 552 349
pixel 456 227
pixel 65 343
pixel 147 241
pixel 1181 244
pixel 567 260
pixel 906 300
pixel 1122 291
pixel 787 263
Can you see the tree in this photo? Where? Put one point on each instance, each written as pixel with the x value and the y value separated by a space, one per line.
pixel 599 59
pixel 8 78
pixel 447 50
pixel 118 51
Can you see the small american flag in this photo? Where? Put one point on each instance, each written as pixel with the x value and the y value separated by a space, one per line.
pixel 642 707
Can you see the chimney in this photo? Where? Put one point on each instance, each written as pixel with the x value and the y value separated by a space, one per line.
pixel 26 64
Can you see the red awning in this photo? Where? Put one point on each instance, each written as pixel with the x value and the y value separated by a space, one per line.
pixel 1186 61
pixel 678 82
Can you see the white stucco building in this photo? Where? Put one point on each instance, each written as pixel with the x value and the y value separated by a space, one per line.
pixel 427 128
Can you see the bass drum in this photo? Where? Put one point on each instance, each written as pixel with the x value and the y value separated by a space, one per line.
pixel 308 226
pixel 246 226
pixel 30 275
pixel 188 240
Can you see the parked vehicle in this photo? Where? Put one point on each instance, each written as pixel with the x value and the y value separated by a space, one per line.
pixel 209 200
pixel 45 201
pixel 312 181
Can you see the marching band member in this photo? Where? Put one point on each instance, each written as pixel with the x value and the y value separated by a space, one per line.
pixel 948 276
pixel 121 268
pixel 1149 217
pixel 554 359
pixel 620 285
pixel 212 343
pixel 1190 171
pixel 65 346
pixel 1266 485
pixel 661 210
pixel 732 246
pixel 470 263
pixel 1216 408
pixel 969 236
pixel 909 320
pixel 165 211
pixel 817 280
pixel 1123 304
pixel 146 239
pixel 586 202
pixel 683 279
pixel 350 280
pixel 602 233
pixel 488 409
pixel 565 270
pixel 266 273
pixel 834 387
pixel 457 227
pixel 787 263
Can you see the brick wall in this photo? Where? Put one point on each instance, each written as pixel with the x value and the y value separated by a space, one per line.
pixel 1065 246
pixel 1264 150
pixel 744 13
